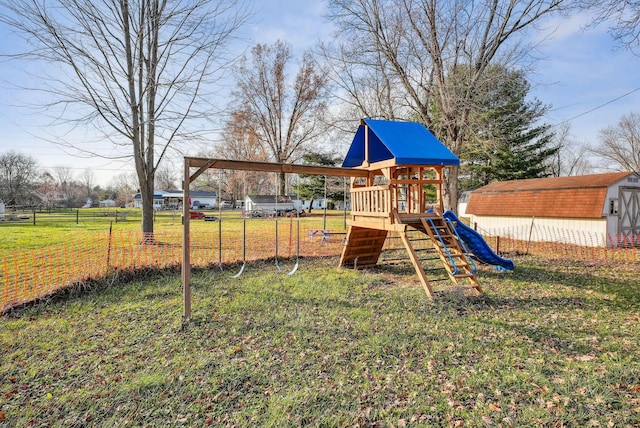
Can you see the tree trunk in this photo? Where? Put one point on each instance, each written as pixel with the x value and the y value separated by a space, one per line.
pixel 146 191
pixel 450 189
pixel 282 188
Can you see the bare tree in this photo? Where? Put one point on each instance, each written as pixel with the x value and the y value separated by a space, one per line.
pixel 623 19
pixel 123 187
pixel 240 142
pixel 620 144
pixel 18 174
pixel 419 43
pixel 165 177
pixel 570 159
pixel 285 115
pixel 64 181
pixel 87 179
pixel 137 70
pixel 362 90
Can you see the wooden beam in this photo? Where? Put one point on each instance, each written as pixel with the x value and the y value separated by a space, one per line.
pixel 202 169
pixel 332 171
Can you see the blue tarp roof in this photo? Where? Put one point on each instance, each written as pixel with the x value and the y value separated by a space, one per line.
pixel 409 143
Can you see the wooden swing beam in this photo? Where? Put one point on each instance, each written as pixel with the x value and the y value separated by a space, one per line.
pixel 204 164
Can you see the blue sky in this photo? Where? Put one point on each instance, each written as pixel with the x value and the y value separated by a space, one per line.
pixel 580 73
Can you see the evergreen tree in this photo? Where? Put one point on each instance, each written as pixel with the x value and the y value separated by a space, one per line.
pixel 504 140
pixel 312 187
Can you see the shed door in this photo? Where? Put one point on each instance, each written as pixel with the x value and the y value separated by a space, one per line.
pixel 629 200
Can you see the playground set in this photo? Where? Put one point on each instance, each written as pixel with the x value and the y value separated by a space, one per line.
pixel 396 171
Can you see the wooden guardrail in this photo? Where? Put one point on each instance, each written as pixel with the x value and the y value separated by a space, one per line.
pixel 374 201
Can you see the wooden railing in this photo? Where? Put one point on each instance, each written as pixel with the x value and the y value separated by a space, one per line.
pixel 372 201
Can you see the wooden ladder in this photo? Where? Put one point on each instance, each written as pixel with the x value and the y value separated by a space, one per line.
pixel 455 259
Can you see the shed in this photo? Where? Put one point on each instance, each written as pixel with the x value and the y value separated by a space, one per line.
pixel 606 206
pixel 268 203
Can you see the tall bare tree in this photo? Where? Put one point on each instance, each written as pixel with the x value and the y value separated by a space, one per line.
pixel 284 114
pixel 135 70
pixel 87 179
pixel 620 144
pixel 240 142
pixel 418 43
pixel 65 183
pixel 18 174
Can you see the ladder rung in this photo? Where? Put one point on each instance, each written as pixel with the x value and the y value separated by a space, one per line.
pixel 396 259
pixel 464 275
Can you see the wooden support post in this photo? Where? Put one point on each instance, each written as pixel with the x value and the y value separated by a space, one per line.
pixel 186 245
pixel 416 264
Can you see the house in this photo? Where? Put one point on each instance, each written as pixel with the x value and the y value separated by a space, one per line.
pixel 158 200
pixel 107 203
pixel 266 204
pixel 172 199
pixel 605 206
pixel 314 204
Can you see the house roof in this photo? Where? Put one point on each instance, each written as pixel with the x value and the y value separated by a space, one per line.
pixel 160 194
pixel 408 143
pixel 559 197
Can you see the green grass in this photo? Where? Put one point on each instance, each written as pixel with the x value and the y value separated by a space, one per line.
pixel 550 344
pixel 18 237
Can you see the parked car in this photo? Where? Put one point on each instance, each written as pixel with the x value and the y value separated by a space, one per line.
pixel 296 213
pixel 196 214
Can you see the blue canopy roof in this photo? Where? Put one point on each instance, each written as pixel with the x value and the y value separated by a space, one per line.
pixel 409 143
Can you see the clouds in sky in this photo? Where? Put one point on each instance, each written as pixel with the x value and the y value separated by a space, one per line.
pixel 578 71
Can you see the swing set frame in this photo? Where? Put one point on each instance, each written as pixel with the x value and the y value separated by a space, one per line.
pixel 204 164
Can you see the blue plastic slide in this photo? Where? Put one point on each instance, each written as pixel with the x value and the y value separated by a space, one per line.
pixel 477 245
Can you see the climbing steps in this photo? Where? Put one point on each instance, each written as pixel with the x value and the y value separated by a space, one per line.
pixel 431 242
pixel 451 250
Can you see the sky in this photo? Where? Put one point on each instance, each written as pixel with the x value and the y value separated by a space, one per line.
pixel 587 81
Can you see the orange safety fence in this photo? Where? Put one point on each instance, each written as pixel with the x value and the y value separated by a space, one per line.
pixel 30 275
pixel 557 243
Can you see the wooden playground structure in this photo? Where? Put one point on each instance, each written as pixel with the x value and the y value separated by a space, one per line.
pixel 396 171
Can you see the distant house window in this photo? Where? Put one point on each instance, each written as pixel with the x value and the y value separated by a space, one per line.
pixel 613 206
pixel 632 179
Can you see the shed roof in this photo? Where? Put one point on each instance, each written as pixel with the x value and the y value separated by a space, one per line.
pixel 409 143
pixel 559 197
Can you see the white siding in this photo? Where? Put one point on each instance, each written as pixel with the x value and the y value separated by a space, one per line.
pixel 587 232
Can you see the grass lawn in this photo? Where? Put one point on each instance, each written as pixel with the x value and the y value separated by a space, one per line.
pixel 550 344
pixel 17 237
